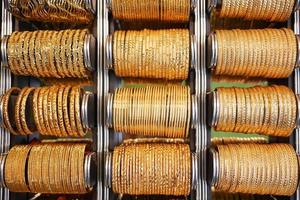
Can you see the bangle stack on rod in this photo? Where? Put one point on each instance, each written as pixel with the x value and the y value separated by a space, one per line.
pixel 58 111
pixel 55 54
pixel 169 11
pixel 161 54
pixel 152 168
pixel 269 110
pixel 264 169
pixel 263 53
pixel 54 11
pixel 272 11
pixel 157 111
pixel 50 168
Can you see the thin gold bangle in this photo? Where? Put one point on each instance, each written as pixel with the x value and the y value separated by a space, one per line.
pixel 23 111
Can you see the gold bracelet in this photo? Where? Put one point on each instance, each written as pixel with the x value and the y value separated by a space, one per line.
pixel 60 114
pixel 54 91
pixel 11 52
pixel 6 116
pixel 66 110
pixel 47 110
pixel 17 113
pixel 78 97
pixel 38 54
pixel 23 112
pixel 69 60
pixel 72 111
pixel 26 57
pixel 45 55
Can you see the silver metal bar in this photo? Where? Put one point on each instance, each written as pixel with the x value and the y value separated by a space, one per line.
pixel 100 20
pixel 5 84
pixel 201 87
pixel 105 28
pixel 297 91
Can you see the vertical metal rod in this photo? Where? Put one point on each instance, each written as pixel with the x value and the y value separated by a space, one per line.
pixel 297 91
pixel 202 192
pixel 2 85
pixel 99 183
pixel 106 86
pixel 5 84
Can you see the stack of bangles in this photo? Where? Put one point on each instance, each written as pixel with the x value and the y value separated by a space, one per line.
pixel 55 54
pixel 160 54
pixel 254 53
pixel 272 11
pixel 48 168
pixel 167 11
pixel 57 111
pixel 157 111
pixel 156 168
pixel 55 11
pixel 269 110
pixel 263 169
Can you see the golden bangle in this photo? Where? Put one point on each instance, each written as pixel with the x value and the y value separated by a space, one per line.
pixel 66 110
pixel 23 112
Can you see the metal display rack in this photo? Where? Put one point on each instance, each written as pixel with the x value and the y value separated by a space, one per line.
pixel 104 139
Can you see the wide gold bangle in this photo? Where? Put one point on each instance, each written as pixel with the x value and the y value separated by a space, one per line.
pixel 6 116
pixel 11 52
pixel 15 168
